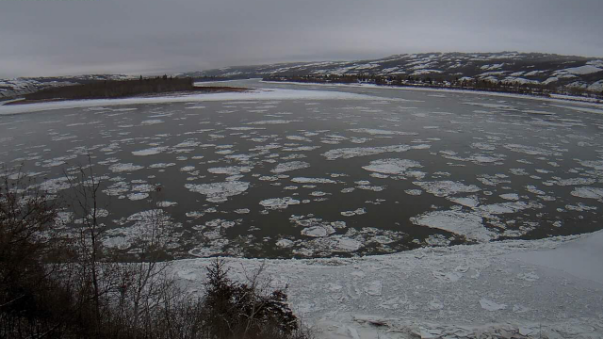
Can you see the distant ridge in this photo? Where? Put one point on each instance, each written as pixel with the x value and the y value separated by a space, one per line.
pixel 531 68
pixel 552 70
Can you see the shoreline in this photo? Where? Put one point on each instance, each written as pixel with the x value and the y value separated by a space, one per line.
pixel 484 288
pixel 560 99
pixel 252 94
pixel 195 90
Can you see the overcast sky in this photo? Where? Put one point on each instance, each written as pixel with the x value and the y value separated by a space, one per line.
pixel 41 38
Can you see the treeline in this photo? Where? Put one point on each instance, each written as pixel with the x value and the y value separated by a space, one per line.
pixel 212 78
pixel 58 280
pixel 107 89
pixel 455 83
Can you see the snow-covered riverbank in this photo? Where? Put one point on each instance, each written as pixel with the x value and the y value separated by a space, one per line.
pixel 550 288
pixel 554 97
pixel 258 94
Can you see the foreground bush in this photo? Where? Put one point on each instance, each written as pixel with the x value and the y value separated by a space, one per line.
pixel 57 286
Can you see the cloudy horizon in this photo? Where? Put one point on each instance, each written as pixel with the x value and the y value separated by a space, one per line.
pixel 48 38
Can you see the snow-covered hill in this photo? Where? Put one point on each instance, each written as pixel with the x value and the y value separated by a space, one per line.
pixel 10 88
pixel 532 68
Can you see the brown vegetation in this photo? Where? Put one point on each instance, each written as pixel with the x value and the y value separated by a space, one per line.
pixel 111 89
pixel 61 282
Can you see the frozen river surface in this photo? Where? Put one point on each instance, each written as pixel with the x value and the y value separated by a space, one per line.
pixel 285 172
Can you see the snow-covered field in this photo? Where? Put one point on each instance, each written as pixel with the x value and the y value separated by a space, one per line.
pixel 550 288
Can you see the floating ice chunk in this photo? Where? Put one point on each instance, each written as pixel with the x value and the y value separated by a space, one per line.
pixel 117 189
pixel 119 168
pixel 303 180
pixel 53 186
pixel 318 231
pixel 189 144
pixel 580 207
pixel 219 191
pixel 242 211
pixel 484 159
pixel 507 207
pixel 284 243
pixel 300 149
pixel 268 178
pixel 335 244
pixel 161 165
pixel 220 223
pixel 138 196
pixel 597 165
pixel 368 187
pixel 372 131
pixel 468 224
pixel 290 166
pixel 358 211
pixel 413 192
pixel 347 153
pixel 279 203
pixel 471 201
pixel 271 122
pixel 187 169
pixel 166 203
pixel 446 188
pixel 214 247
pixel 245 128
pixel 510 196
pixel 232 170
pixel 298 138
pixel 483 146
pixel 391 166
pixel 575 182
pixel 533 189
pixel 144 188
pixel 149 151
pixel 587 192
pixel 151 122
pixel 518 171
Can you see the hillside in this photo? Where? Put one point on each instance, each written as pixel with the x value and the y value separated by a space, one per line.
pixel 10 88
pixel 511 67
pixel 556 72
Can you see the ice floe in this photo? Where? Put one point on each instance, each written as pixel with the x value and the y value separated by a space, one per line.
pixel 290 166
pixel 446 188
pixel 219 191
pixel 347 153
pixel 279 203
pixel 469 225
pixel 392 166
pixel 149 151
pixel 120 168
pixel 303 180
pixel 588 192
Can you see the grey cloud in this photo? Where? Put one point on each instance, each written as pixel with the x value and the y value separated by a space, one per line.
pixel 157 36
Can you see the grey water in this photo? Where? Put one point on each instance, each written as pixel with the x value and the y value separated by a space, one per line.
pixel 319 178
